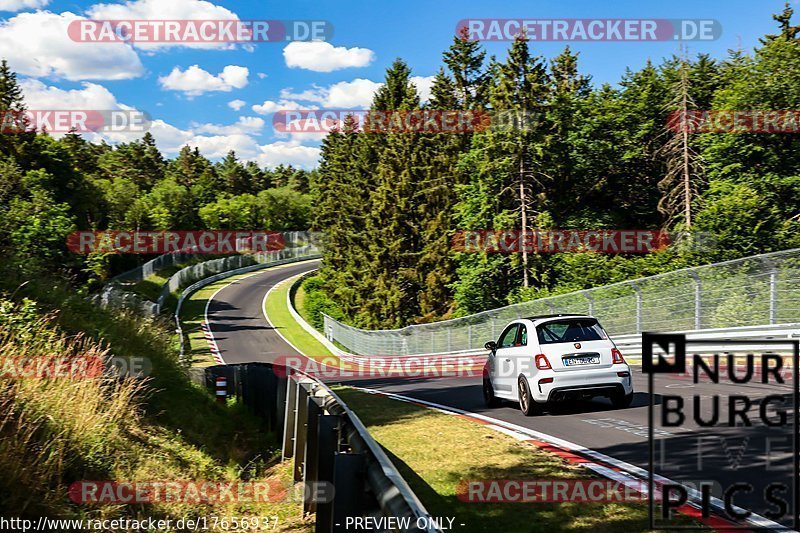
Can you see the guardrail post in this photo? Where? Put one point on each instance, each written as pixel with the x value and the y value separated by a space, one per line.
pixel 301 432
pixel 311 472
pixel 698 300
pixel 348 478
pixel 469 337
pixel 773 289
pixel 327 433
pixel 589 299
pixel 773 297
pixel 638 307
pixel 290 416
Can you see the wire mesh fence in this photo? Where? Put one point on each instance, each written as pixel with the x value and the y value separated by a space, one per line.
pixel 752 291
pixel 297 245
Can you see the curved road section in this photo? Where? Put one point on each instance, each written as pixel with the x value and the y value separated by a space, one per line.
pixel 236 317
pixel 243 335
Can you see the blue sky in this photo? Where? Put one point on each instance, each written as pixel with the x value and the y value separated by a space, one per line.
pixel 193 105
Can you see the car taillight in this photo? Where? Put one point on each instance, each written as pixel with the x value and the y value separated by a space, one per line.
pixel 617 356
pixel 542 363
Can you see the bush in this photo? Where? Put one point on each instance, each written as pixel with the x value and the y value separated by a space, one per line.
pixel 318 302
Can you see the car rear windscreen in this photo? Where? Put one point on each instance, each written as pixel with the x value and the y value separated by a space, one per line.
pixel 570 330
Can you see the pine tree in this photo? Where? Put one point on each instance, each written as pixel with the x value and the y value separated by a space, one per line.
pixel 522 87
pixel 235 178
pixel 438 193
pixel 566 104
pixel 395 218
pixel 15 137
pixel 465 60
pixel 788 32
pixel 680 185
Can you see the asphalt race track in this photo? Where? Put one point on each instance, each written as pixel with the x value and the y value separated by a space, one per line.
pixel 758 455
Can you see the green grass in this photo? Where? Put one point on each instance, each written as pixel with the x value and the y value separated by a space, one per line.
pixel 150 287
pixel 54 432
pixel 282 320
pixel 299 303
pixel 435 452
pixel 197 350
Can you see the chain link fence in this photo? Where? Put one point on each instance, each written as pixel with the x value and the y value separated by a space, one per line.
pixel 298 244
pixel 752 291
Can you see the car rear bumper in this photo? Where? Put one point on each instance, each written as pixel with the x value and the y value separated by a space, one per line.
pixel 564 386
pixel 561 394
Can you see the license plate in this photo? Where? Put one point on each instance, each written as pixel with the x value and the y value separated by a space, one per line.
pixel 575 361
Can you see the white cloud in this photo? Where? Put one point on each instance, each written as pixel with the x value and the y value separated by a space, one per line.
pixel 219 140
pixel 321 56
pixel 270 106
pixel 355 94
pixel 37 44
pixel 424 84
pixel 216 146
pixel 194 80
pixel 261 75
pixel 164 10
pixel 91 96
pixel 19 5
pixel 244 125
pixel 237 104
pixel 347 94
pixel 213 140
pixel 288 153
pixel 344 94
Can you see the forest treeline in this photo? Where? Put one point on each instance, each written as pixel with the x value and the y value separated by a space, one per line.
pixel 600 156
pixel 50 187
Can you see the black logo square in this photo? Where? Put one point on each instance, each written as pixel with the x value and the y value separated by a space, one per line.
pixel 663 341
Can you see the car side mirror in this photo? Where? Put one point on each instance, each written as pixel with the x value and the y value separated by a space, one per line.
pixel 491 346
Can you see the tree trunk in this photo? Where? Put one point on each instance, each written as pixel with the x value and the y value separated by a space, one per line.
pixel 687 187
pixel 524 212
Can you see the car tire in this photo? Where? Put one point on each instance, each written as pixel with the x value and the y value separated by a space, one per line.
pixel 622 401
pixel 527 404
pixel 489 398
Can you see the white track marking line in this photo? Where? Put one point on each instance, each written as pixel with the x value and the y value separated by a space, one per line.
pixel 208 303
pixel 264 312
pixel 694 495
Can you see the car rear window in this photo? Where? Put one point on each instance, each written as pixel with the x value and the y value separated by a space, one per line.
pixel 570 330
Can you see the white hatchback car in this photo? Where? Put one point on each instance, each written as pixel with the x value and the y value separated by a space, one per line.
pixel 567 357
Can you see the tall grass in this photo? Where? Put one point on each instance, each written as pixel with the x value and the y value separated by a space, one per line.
pixel 162 427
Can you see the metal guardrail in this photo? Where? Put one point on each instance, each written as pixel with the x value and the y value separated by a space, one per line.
pixel 762 289
pixel 631 345
pixel 344 472
pixel 114 294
